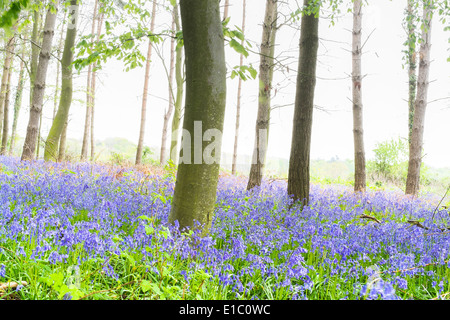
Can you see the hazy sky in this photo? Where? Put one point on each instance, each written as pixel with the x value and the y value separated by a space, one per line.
pixel 384 90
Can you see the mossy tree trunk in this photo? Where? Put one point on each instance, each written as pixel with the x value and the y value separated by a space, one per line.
pixel 265 88
pixel 299 161
pixel 65 101
pixel 196 183
pixel 416 145
pixel 29 147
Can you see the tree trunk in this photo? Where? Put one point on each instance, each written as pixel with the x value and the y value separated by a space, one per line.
pixel 411 55
pixel 238 104
pixel 265 88
pixel 358 131
pixel 225 9
pixel 35 49
pixel 52 142
pixel 197 176
pixel 29 146
pixel 93 81
pixel 416 145
pixel 6 112
pixel 87 119
pixel 58 65
pixel 62 142
pixel 299 162
pixel 9 48
pixel 18 100
pixel 168 113
pixel 176 120
pixel 140 145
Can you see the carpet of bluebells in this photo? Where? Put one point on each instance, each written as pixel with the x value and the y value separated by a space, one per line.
pixel 86 231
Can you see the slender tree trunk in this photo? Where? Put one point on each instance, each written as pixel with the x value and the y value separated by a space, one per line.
pixel 18 100
pixel 412 77
pixel 35 49
pixel 238 104
pixel 87 119
pixel 93 81
pixel 140 145
pixel 265 88
pixel 416 145
pixel 52 142
pixel 176 120
pixel 358 131
pixel 168 113
pixel 29 146
pixel 9 48
pixel 299 162
pixel 6 114
pixel 58 65
pixel 197 176
pixel 225 9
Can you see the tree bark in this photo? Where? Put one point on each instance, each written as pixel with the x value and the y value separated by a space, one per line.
pixel 62 142
pixel 176 120
pixel 65 101
pixel 196 183
pixel 238 103
pixel 411 55
pixel 87 119
pixel 168 113
pixel 358 131
pixel 29 146
pixel 225 9
pixel 140 145
pixel 93 83
pixel 299 161
pixel 6 113
pixel 9 54
pixel 265 87
pixel 35 49
pixel 18 100
pixel 416 145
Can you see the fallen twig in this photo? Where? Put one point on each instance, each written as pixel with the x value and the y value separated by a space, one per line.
pixel 417 224
pixel 365 216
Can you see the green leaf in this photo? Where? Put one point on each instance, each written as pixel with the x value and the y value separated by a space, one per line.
pixel 238 47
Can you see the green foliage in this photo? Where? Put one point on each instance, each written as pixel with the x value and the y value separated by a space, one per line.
pixel 390 163
pixel 391 159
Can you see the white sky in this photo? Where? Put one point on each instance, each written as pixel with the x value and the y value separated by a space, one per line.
pixel 385 89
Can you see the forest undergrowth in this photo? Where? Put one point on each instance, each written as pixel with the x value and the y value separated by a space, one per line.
pixel 89 231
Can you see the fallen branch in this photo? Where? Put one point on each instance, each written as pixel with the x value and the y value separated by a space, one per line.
pixel 365 216
pixel 417 224
pixel 10 285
